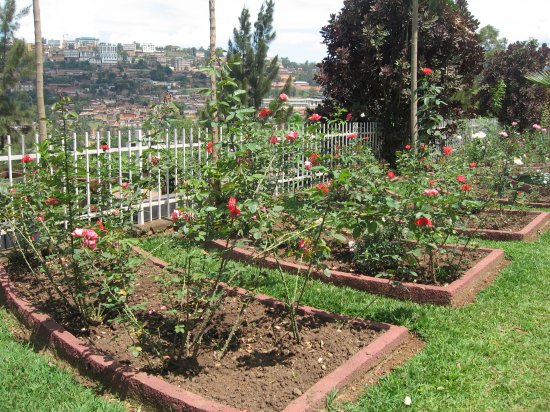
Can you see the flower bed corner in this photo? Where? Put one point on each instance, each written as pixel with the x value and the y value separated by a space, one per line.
pixel 457 293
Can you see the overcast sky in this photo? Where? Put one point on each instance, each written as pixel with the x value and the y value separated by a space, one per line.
pixel 297 22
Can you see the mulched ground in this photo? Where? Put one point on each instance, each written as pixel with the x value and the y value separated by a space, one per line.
pixel 264 368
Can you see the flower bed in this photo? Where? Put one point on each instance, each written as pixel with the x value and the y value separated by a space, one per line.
pixel 373 341
pixel 530 195
pixel 457 293
pixel 504 225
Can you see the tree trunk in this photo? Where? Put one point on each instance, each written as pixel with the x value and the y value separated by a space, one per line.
pixel 414 74
pixel 213 80
pixel 42 131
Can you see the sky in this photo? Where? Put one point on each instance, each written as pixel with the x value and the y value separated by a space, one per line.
pixel 297 22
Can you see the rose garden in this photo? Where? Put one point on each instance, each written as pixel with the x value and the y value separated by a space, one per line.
pixel 200 320
pixel 268 261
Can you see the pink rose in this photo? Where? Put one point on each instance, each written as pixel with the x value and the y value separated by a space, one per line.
pixel 314 117
pixel 307 165
pixel 78 232
pixel 283 97
pixel 291 136
pixel 431 192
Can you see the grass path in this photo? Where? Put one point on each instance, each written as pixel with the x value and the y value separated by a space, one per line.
pixel 29 382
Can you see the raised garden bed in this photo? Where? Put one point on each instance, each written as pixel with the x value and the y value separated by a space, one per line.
pixel 511 225
pixel 456 293
pixel 335 350
pixel 537 196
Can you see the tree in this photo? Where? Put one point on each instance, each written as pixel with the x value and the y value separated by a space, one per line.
pixel 15 63
pixel 488 36
pixel 521 100
pixel 213 78
pixel 367 68
pixel 247 54
pixel 39 57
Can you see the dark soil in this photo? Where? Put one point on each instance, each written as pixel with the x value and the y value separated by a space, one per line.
pixel 506 220
pixel 264 369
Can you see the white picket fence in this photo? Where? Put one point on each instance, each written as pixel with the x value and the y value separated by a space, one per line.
pixel 125 163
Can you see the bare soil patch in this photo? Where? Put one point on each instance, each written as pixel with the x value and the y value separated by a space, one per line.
pixel 264 369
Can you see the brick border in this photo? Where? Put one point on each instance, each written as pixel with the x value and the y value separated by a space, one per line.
pixel 529 233
pixel 458 293
pixel 163 396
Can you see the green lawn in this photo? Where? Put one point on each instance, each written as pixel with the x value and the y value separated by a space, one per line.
pixel 30 382
pixel 489 356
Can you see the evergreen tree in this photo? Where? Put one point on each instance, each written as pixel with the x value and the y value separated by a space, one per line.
pixel 247 54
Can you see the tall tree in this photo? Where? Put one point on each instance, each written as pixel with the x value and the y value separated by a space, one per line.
pixel 248 54
pixel 213 59
pixel 367 68
pixel 39 56
pixel 15 63
pixel 414 73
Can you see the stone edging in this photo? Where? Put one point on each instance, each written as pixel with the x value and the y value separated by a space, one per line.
pixel 458 293
pixel 529 233
pixel 160 395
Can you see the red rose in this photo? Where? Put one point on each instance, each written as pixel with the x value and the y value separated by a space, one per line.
pixel 273 140
pixel 232 202
pixel 26 159
pixel 262 114
pixel 234 212
pixel 322 187
pixel 447 150
pixel 427 71
pixel 473 164
pixel 423 221
pixel 391 174
pixel 104 147
pixel 408 147
pixel 352 136
pixel 349 116
pixel 466 187
pixel 209 147
pixel 461 179
pixel 314 159
pixel 52 201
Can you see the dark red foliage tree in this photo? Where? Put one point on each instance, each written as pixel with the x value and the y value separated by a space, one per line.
pixel 368 58
pixel 523 100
